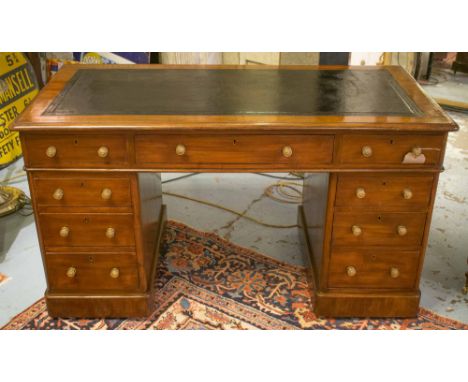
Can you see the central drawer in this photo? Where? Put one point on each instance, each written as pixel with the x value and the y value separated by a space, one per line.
pixel 79 272
pixel 87 230
pixel 282 151
pixel 379 229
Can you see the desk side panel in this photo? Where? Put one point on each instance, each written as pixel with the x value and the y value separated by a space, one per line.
pixel 318 197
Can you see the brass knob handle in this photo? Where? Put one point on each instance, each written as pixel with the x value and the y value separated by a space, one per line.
pixel 356 230
pixel 360 193
pixel 394 272
pixel 51 151
pixel 180 150
pixel 103 152
pixel 287 151
pixel 71 272
pixel 417 151
pixel 106 193
pixel 114 273
pixel 110 233
pixel 402 230
pixel 64 231
pixel 58 194
pixel 351 271
pixel 407 193
pixel 366 151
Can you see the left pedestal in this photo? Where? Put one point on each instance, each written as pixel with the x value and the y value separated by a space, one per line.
pixel 100 235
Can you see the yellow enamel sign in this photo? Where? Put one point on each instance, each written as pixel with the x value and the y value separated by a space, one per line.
pixel 18 86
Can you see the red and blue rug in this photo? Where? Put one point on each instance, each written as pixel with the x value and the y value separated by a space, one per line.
pixel 206 282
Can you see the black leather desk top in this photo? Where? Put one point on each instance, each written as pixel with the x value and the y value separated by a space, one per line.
pixel 232 92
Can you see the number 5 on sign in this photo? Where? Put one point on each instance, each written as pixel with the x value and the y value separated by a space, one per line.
pixel 18 86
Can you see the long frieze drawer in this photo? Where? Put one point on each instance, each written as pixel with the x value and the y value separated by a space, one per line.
pixel 398 150
pixel 83 230
pixel 384 191
pixel 80 272
pixel 175 151
pixel 88 190
pixel 373 268
pixel 382 229
pixel 76 151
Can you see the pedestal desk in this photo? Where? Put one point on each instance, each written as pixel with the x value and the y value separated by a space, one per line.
pixel 97 137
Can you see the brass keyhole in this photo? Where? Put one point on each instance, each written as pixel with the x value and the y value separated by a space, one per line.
pixel 86 220
pixel 234 141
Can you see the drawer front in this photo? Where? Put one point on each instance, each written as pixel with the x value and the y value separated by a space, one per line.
pixel 87 230
pixel 181 151
pixel 81 190
pixel 373 268
pixel 384 191
pixel 76 151
pixel 380 229
pixel 92 272
pixel 366 149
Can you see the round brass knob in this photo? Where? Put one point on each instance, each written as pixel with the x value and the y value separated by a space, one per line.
pixel 110 233
pixel 402 230
pixel 71 272
pixel 394 273
pixel 356 230
pixel 180 150
pixel 114 273
pixel 407 193
pixel 64 231
pixel 287 151
pixel 103 152
pixel 51 151
pixel 417 151
pixel 366 151
pixel 360 193
pixel 351 271
pixel 58 194
pixel 106 193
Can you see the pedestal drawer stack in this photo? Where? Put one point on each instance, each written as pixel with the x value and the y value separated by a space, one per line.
pixel 99 230
pixel 377 224
pixel 378 228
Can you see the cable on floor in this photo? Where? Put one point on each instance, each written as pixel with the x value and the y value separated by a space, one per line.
pixel 180 178
pixel 27 208
pixel 229 210
pixel 8 180
pixel 279 192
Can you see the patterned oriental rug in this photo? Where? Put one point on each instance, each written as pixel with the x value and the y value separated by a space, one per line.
pixel 206 282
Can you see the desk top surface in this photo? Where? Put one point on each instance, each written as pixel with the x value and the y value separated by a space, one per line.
pixel 232 92
pixel 88 96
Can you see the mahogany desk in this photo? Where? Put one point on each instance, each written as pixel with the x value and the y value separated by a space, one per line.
pixel 369 140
